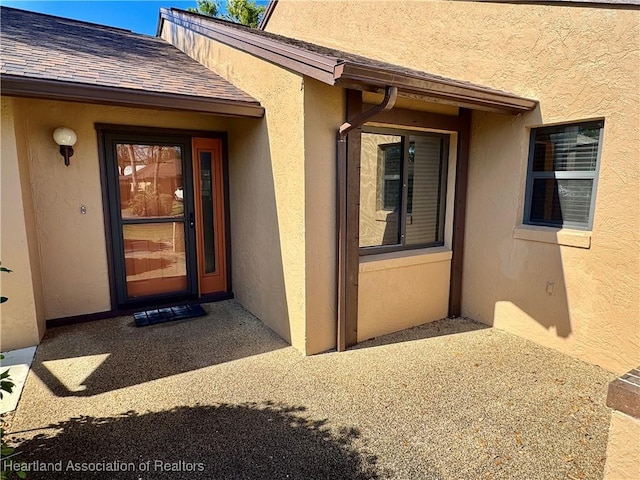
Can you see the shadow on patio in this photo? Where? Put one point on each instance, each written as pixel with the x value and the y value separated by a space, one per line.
pixel 428 330
pixel 249 441
pixel 101 356
pixel 451 399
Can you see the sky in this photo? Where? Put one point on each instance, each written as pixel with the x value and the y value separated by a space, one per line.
pixel 138 16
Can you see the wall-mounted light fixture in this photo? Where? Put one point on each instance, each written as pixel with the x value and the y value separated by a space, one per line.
pixel 66 138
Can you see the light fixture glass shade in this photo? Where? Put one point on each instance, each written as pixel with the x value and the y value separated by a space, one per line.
pixel 64 136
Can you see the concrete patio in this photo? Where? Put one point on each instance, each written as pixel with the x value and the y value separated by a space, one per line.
pixel 222 397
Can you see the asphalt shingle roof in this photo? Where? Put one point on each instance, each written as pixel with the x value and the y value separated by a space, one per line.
pixel 52 48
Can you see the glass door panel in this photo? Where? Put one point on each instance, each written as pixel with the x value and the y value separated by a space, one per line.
pixel 150 181
pixel 152 232
pixel 154 256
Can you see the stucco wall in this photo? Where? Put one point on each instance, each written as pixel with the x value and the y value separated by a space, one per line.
pixel 580 63
pixel 22 316
pixel 267 185
pixel 402 290
pixel 623 448
pixel 323 114
pixel 71 245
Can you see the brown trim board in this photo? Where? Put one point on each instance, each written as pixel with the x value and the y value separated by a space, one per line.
pixel 415 118
pixel 334 67
pixel 459 212
pixel 18 86
pixel 354 138
pixel 267 14
pixel 90 317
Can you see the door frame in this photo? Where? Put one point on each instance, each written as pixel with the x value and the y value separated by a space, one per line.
pixel 217 278
pixel 168 135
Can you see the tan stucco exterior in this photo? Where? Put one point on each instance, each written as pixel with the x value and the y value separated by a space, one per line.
pixel 580 63
pixel 22 315
pixel 323 112
pixel 573 291
pixel 66 260
pixel 623 448
pixel 402 290
pixel 267 186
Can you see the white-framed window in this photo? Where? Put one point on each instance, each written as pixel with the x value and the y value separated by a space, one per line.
pixel 562 175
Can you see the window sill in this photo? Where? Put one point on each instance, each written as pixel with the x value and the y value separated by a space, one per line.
pixel 404 258
pixel 555 236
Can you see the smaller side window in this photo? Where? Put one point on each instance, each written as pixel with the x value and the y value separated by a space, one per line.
pixel 562 175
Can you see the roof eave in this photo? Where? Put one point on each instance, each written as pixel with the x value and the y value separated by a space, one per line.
pixel 306 63
pixel 332 70
pixel 21 86
pixel 267 14
pixel 439 90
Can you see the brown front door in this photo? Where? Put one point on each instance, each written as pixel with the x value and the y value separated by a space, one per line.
pixel 209 215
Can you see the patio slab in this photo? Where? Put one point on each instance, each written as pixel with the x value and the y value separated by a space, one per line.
pixel 222 396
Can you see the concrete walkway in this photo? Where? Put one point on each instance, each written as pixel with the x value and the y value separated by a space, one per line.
pixel 222 397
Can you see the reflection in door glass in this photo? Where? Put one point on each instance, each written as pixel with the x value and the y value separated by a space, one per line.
pixel 206 179
pixel 150 180
pixel 154 258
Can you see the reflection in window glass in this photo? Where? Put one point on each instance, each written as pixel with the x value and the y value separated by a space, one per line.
pixel 150 180
pixel 387 161
pixel 380 189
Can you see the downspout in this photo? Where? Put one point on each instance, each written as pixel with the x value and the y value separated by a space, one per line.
pixel 390 96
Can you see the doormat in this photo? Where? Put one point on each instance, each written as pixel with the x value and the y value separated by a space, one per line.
pixel 161 315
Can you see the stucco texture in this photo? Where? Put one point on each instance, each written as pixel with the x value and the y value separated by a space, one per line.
pixel 69 260
pixel 408 289
pixel 623 448
pixel 580 63
pixel 22 315
pixel 323 113
pixel 267 185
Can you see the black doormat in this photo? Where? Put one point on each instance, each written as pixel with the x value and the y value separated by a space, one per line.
pixel 161 315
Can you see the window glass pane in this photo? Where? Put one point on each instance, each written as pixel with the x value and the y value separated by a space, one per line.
pixel 154 258
pixel 566 148
pixel 426 190
pixel 558 202
pixel 150 180
pixel 206 187
pixel 380 189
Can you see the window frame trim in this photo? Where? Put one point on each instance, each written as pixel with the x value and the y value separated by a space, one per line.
pixel 560 175
pixel 444 160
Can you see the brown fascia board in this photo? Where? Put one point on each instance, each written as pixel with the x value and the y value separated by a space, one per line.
pixel 332 70
pixel 19 86
pixel 267 14
pixel 307 63
pixel 458 93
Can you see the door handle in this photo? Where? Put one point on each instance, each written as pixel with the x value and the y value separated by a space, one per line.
pixel 192 222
